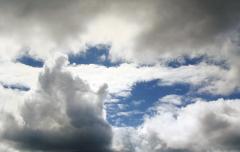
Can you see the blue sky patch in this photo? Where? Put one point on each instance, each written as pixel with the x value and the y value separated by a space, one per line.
pixel 212 97
pixel 129 111
pixel 143 96
pixel 94 55
pixel 15 87
pixel 185 61
pixel 30 61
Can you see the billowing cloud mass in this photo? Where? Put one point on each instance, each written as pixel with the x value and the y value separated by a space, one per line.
pixel 198 127
pixel 63 114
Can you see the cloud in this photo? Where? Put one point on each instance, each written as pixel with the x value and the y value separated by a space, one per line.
pixel 204 77
pixel 201 126
pixel 62 114
pixel 120 79
pixel 40 27
pixel 172 28
pixel 16 73
pixel 172 99
pixel 138 30
pixel 8 100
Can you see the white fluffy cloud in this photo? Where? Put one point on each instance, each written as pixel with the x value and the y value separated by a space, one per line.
pixel 198 127
pixel 63 113
pixel 17 73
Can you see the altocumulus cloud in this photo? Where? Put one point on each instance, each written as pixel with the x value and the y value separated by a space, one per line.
pixel 63 114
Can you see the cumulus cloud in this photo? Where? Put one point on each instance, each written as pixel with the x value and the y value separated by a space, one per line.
pixel 62 114
pixel 201 126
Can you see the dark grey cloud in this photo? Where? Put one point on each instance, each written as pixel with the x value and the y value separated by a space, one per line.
pixel 185 27
pixel 63 114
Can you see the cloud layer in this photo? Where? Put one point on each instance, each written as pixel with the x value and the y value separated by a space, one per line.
pixel 161 28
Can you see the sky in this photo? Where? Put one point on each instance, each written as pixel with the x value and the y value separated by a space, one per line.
pixel 119 76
